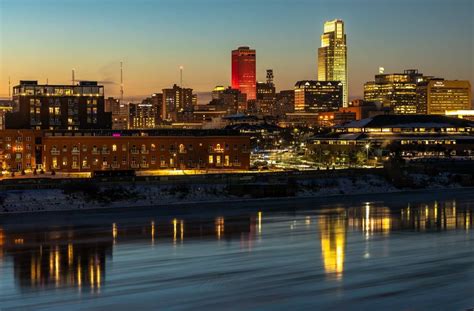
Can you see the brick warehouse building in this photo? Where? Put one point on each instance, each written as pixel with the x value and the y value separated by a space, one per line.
pixel 99 150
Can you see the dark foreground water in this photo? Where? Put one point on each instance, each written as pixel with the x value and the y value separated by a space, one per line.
pixel 394 252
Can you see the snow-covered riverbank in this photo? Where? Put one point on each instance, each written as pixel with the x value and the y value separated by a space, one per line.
pixel 129 195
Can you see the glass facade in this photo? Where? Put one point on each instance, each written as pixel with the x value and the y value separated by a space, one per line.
pixel 332 56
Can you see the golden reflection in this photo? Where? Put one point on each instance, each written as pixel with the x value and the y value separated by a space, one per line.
pixel 70 254
pixel 2 237
pixel 259 225
pixel 153 232
pixel 370 219
pixel 114 231
pixel 219 227
pixel 445 216
pixel 333 239
pixel 56 265
pixel 175 230
pixel 175 223
pixel 79 274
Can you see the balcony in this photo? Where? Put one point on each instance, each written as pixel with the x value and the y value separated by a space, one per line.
pixel 144 165
pixel 55 152
pixel 134 165
pixel 95 151
pixel 75 151
pixel 134 151
pixel 115 165
pixel 144 151
pixel 105 151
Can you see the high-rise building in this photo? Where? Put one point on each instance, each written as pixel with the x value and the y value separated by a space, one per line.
pixel 285 102
pixel 332 56
pixel 120 113
pixel 144 115
pixel 266 96
pixel 244 71
pixel 318 96
pixel 54 107
pixel 217 92
pixel 396 91
pixel 177 100
pixel 448 95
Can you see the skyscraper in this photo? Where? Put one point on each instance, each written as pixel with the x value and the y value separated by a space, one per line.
pixel 332 56
pixel 318 96
pixel 243 71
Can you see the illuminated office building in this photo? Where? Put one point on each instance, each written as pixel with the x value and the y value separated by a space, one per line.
pixel 120 113
pixel 229 99
pixel 445 95
pixel 285 102
pixel 217 92
pixel 266 95
pixel 243 71
pixel 332 56
pixel 396 91
pixel 177 100
pixel 54 107
pixel 144 115
pixel 318 96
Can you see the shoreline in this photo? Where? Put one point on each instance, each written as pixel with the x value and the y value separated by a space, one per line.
pixel 212 204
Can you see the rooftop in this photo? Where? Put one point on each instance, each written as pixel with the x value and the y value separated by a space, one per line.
pixel 408 121
pixel 141 133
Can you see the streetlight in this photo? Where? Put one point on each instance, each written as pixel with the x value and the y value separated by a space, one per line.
pixel 367 147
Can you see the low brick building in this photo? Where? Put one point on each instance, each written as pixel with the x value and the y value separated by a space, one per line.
pixel 88 151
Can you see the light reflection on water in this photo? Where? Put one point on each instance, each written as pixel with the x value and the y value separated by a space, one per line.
pixel 328 242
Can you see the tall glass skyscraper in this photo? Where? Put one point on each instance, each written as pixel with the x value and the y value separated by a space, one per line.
pixel 332 56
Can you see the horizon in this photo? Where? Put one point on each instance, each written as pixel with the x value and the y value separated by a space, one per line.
pixel 442 46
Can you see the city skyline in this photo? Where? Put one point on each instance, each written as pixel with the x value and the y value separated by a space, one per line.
pixel 288 48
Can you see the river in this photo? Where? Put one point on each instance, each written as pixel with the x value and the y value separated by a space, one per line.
pixel 409 251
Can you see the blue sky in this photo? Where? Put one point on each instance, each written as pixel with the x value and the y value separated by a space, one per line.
pixel 46 39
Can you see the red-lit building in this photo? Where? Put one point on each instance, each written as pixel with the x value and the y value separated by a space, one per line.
pixel 243 71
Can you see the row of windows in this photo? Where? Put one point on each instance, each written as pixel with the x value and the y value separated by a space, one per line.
pixel 17 139
pixel 143 161
pixel 181 148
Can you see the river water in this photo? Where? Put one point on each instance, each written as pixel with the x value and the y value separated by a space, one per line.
pixel 392 252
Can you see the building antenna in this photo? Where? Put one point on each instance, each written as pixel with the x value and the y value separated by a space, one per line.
pixel 181 76
pixel 73 78
pixel 47 81
pixel 121 82
pixel 9 87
